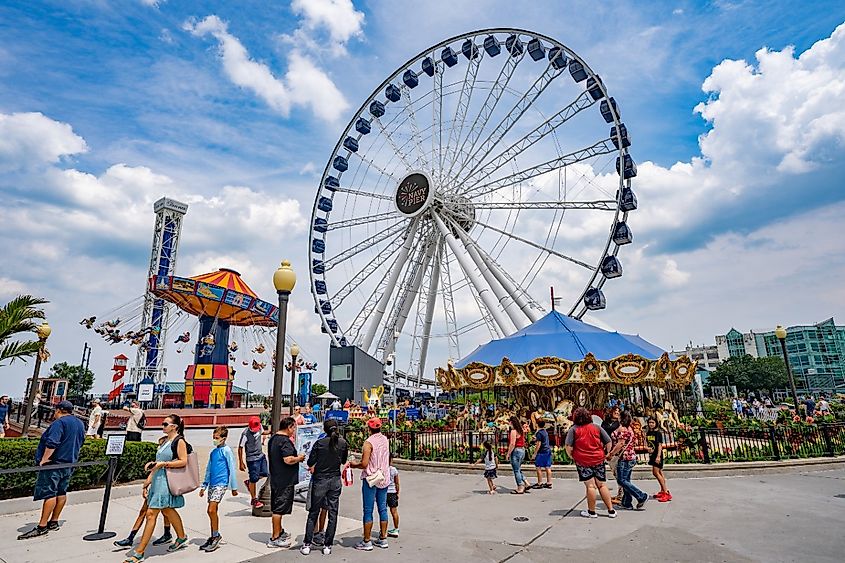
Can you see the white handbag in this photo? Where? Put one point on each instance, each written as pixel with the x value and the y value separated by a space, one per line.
pixel 375 479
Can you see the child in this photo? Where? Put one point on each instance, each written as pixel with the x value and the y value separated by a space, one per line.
pixel 490 466
pixel 543 456
pixel 220 476
pixel 393 499
pixel 654 441
pixel 251 443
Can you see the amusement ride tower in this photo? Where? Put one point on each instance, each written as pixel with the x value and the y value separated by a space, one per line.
pixel 168 228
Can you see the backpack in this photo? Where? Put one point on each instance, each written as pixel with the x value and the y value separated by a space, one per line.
pixel 174 446
pixel 142 422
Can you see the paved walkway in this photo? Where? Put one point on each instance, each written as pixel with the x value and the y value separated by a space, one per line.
pixel 785 517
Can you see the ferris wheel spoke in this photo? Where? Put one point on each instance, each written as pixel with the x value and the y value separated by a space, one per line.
pixel 386 254
pixel 602 147
pixel 537 246
pixel 437 121
pixel 467 88
pixel 356 221
pixel 362 193
pixel 597 205
pixel 401 154
pixel 467 265
pixel 365 244
pixel 415 130
pixel 369 162
pixel 506 124
pixel 582 102
pixel 410 290
pixel 425 302
pixel 381 307
pixel 490 103
pixel 517 295
pixel 449 305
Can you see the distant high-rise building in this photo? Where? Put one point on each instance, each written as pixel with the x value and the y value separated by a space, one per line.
pixel 707 356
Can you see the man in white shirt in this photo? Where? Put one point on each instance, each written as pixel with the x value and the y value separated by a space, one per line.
pixel 336 406
pixel 94 418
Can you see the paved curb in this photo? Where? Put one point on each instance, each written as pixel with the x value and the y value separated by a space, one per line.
pixel 642 471
pixel 26 504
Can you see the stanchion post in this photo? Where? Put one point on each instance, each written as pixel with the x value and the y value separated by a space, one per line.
pixel 114 448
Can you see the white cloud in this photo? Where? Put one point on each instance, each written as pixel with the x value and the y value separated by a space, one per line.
pixel 303 85
pixel 32 139
pixel 10 288
pixel 338 17
pixel 152 3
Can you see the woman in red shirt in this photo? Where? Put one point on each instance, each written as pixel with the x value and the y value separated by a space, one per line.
pixel 516 454
pixel 624 441
pixel 588 444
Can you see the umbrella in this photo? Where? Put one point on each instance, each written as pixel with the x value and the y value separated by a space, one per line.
pixel 327 395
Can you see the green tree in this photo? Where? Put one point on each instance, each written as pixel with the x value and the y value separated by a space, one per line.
pixel 318 389
pixel 17 317
pixel 751 374
pixel 80 380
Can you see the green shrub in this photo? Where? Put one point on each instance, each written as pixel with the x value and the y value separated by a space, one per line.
pixel 20 452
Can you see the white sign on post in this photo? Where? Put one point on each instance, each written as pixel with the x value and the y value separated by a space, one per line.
pixel 145 392
pixel 115 443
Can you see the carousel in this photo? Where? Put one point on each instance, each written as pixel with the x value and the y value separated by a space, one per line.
pixel 559 363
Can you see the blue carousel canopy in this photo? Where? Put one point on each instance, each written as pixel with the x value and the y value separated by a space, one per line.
pixel 563 337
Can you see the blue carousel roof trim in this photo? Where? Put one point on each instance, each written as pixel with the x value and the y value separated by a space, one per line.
pixel 559 336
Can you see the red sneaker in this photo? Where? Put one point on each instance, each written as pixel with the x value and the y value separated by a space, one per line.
pixel 667 497
pixel 658 495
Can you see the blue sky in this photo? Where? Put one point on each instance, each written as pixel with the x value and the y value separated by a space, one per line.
pixel 137 102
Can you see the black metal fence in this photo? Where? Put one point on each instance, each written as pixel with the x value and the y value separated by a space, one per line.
pixel 696 445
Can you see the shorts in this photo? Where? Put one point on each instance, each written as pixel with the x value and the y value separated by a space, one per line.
pixel 392 500
pixel 91 431
pixel 543 460
pixel 490 474
pixel 587 472
pixel 654 463
pixel 257 469
pixel 52 483
pixel 281 501
pixel 216 493
pixel 133 436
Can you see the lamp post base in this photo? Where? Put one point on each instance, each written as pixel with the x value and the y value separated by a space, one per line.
pixel 99 536
pixel 264 496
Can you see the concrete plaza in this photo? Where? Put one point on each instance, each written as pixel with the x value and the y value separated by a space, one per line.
pixel 798 515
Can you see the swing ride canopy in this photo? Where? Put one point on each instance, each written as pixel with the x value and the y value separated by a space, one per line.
pixel 558 349
pixel 222 295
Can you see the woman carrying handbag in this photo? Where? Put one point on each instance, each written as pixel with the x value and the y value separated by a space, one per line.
pixel 171 454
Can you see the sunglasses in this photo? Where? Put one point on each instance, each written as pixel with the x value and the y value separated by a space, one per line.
pixel 166 424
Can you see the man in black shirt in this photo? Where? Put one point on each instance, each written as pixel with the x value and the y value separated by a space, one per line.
pixel 284 475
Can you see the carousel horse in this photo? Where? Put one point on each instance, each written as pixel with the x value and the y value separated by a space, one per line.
pixel 563 410
pixel 671 413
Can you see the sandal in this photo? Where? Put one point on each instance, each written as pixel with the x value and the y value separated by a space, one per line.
pixel 134 557
pixel 517 493
pixel 179 543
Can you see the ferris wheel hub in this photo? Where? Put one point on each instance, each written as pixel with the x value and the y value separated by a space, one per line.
pixel 414 193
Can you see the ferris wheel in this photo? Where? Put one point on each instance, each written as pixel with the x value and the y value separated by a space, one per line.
pixel 485 169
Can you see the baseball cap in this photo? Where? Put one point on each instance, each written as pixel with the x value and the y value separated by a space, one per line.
pixel 65 406
pixel 254 423
pixel 374 422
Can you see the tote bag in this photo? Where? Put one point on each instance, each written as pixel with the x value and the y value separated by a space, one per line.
pixel 184 479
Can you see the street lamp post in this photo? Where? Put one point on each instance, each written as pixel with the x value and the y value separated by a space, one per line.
pixel 780 333
pixel 294 353
pixel 43 331
pixel 284 280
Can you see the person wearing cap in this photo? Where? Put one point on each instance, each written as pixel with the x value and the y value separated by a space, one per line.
pixel 59 444
pixel 252 440
pixel 375 462
pixel 94 419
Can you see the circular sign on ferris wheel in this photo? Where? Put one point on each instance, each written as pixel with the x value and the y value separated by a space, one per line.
pixel 414 194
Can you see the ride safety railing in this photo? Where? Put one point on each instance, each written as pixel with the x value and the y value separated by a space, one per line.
pixel 681 445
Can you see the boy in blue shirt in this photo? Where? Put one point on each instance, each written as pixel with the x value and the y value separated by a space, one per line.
pixel 220 477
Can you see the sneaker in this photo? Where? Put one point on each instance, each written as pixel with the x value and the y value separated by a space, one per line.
pixel 393 533
pixel 364 546
pixel 667 497
pixel 125 542
pixel 305 549
pixel 588 514
pixel 52 525
pixel 34 533
pixel 382 543
pixel 256 503
pixel 327 550
pixel 641 504
pixel 624 507
pixel 178 543
pixel 319 538
pixel 611 514
pixel 281 542
pixel 285 535
pixel 214 543
pixel 206 544
pixel 166 538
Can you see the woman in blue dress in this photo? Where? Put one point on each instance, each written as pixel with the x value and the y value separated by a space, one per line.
pixel 157 491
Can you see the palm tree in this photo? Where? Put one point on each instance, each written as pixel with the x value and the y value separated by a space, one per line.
pixel 18 316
